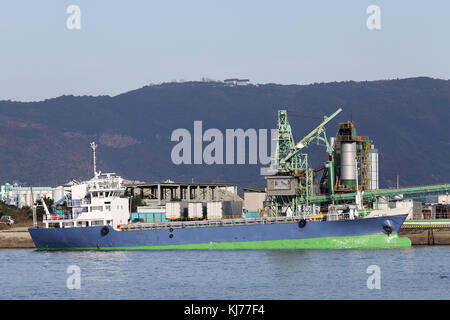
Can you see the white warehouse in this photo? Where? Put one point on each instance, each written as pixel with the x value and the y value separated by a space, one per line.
pixel 19 196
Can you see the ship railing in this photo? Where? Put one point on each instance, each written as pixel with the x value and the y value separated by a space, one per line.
pixel 59 217
pixel 209 223
pixel 79 202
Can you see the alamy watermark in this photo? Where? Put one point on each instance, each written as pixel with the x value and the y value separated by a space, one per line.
pixel 374 280
pixel 73 22
pixel 74 280
pixel 373 22
pixel 228 148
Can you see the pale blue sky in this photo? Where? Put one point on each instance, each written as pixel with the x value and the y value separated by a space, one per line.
pixel 124 45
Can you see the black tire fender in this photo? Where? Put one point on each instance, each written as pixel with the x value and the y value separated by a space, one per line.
pixel 302 223
pixel 105 231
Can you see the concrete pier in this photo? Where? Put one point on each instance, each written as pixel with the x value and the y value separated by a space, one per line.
pixel 16 238
pixel 427 232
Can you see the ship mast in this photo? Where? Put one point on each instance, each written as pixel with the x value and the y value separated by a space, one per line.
pixel 94 148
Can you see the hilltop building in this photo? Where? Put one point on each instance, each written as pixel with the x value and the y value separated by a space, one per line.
pixel 237 82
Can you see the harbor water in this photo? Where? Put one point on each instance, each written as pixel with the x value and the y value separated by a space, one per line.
pixel 411 273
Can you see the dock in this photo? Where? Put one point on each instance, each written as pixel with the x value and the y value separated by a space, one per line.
pixel 427 232
pixel 16 238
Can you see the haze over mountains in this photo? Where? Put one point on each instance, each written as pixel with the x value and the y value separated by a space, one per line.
pixel 46 143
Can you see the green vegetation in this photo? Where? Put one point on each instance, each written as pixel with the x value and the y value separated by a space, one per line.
pixel 21 217
pixel 136 201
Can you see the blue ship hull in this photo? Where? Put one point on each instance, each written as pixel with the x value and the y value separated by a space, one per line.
pixel 368 232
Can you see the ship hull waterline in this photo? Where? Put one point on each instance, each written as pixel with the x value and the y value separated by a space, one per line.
pixel 367 233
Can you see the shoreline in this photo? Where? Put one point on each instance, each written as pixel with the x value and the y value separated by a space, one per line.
pixel 16 238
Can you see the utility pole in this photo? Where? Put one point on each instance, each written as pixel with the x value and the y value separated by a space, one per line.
pixel 33 208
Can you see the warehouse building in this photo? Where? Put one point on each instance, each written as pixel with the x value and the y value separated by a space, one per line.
pixel 158 193
pixel 19 196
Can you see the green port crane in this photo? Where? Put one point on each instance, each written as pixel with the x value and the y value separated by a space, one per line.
pixel 291 188
pixel 295 164
pixel 288 149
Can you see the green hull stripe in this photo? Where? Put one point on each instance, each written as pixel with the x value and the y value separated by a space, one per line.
pixel 363 242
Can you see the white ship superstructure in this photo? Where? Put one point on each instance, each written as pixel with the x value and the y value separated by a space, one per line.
pixel 96 202
pixel 100 201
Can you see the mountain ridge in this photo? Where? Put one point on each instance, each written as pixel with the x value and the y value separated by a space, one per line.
pixel 47 142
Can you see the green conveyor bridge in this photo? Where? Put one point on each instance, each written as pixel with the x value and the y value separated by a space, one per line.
pixel 408 192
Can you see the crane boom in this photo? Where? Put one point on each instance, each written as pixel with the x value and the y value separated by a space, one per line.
pixel 314 134
pixel 59 201
pixel 47 213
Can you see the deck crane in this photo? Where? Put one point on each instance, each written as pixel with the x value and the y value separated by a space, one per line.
pixel 58 202
pixel 293 168
pixel 47 213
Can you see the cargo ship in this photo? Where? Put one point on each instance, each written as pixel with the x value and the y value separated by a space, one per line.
pixel 299 212
pixel 99 220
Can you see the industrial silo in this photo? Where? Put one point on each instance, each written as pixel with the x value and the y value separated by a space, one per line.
pixel 373 169
pixel 58 193
pixel 348 163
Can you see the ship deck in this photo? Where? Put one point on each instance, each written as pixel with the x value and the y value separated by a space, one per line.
pixel 209 223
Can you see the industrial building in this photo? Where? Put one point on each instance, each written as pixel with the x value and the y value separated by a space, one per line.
pixel 435 211
pixel 349 179
pixel 254 199
pixel 153 194
pixel 356 162
pixel 156 195
pixel 444 199
pixel 237 82
pixel 20 196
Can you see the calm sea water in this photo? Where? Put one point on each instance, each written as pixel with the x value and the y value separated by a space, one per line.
pixel 415 273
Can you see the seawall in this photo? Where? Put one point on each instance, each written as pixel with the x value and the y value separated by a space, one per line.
pixel 427 237
pixel 16 238
pixel 427 232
